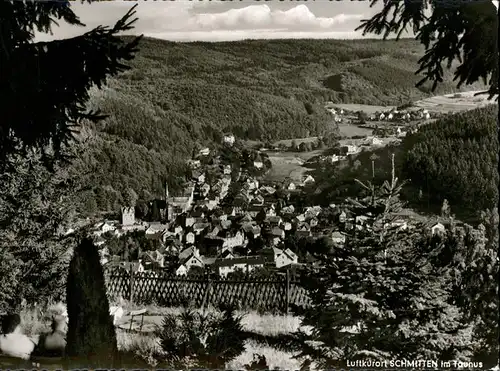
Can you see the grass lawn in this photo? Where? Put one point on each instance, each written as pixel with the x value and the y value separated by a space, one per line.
pixel 146 345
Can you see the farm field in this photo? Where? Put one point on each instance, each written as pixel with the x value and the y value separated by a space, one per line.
pixel 448 103
pixel 289 164
pixel 353 130
pixel 453 102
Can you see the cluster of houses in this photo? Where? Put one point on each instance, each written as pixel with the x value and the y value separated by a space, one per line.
pixel 215 224
pixel 393 114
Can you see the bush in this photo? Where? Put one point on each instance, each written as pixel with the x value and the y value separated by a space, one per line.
pixel 91 334
pixel 202 339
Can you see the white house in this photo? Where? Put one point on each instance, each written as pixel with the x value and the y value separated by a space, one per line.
pixel 194 164
pixel 192 260
pixel 246 264
pixel 236 240
pixel 351 148
pixel 252 184
pixel 105 227
pixel 205 189
pixel 437 228
pixel 258 163
pixel 227 170
pixel 373 141
pixel 228 139
pixel 283 258
pixel 204 151
pixel 198 176
pixel 104 255
pixel 291 255
pixel 154 228
pixel 190 238
pixel 342 217
pixel 334 158
pixel 309 180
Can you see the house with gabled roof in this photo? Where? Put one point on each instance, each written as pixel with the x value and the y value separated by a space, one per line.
pixel 252 183
pixel 304 230
pixel 278 257
pixel 289 185
pixel 257 162
pixel 190 238
pixel 258 200
pixel 104 227
pixel 135 267
pixel 154 228
pixel 437 228
pixel 153 259
pixel 198 176
pixel 226 254
pixel 308 180
pixel 189 258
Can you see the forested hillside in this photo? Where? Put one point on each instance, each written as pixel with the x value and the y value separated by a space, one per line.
pixel 456 158
pixel 179 96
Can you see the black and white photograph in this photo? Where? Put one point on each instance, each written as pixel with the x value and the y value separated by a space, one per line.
pixel 249 185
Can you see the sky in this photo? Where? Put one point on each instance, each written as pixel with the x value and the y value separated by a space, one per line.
pixel 185 20
pixel 216 20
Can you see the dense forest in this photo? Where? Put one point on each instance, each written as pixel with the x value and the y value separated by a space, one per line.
pixel 454 158
pixel 181 96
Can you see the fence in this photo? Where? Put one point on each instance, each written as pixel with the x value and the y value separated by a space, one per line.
pixel 274 293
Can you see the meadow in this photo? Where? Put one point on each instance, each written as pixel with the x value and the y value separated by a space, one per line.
pixel 289 165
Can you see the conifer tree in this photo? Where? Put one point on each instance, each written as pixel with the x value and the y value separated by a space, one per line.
pixel 379 296
pixel 91 334
pixel 36 211
pixel 44 85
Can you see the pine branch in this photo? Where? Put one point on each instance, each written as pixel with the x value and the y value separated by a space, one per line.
pixel 57 75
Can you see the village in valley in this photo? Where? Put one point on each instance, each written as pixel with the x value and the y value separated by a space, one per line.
pixel 232 219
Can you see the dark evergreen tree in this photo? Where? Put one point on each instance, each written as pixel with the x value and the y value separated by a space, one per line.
pixel 379 296
pixel 91 334
pixel 36 211
pixel 44 86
